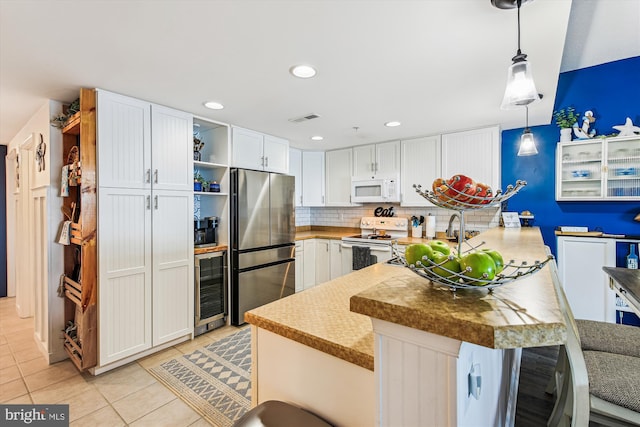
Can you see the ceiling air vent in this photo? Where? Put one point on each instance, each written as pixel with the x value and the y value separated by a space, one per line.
pixel 304 118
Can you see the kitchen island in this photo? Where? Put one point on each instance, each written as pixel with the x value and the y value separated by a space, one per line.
pixel 319 348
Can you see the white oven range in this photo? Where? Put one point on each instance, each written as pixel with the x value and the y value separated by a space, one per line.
pixel 376 233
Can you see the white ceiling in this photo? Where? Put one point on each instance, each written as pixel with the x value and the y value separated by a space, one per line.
pixel 434 65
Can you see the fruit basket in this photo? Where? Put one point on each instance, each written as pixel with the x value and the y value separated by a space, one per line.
pixel 461 193
pixel 437 272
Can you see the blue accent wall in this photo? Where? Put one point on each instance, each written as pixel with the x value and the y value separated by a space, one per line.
pixel 612 92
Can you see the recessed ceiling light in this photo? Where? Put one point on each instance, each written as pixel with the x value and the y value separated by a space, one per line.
pixel 392 124
pixel 214 105
pixel 317 138
pixel 303 71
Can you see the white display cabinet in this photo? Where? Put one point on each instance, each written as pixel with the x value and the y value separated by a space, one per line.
pixel 598 169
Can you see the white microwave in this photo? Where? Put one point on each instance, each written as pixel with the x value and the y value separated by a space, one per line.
pixel 375 189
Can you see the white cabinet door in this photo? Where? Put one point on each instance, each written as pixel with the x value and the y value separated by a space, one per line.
pixel 276 154
pixel 123 141
pixel 420 165
pixel 172 149
pixel 338 169
pixel 388 158
pixel 323 260
pixel 309 267
pixel 335 261
pixel 580 262
pixel 475 153
pixel 246 149
pixel 295 169
pixel 124 291
pixel 312 178
pixel 173 268
pixel 299 266
pixel 364 159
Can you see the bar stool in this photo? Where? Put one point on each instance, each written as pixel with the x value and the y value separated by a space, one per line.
pixel 609 337
pixel 274 413
pixel 592 385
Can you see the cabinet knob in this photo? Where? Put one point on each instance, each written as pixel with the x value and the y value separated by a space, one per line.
pixel 148 177
pixel 155 202
pixel 155 177
pixel 148 202
pixel 266 162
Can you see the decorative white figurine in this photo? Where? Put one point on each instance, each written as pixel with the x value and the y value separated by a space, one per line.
pixel 583 132
pixel 628 129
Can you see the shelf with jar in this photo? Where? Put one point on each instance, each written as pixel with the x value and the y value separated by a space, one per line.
pixel 602 169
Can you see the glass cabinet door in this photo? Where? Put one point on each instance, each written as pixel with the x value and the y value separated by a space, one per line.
pixel 580 174
pixel 623 169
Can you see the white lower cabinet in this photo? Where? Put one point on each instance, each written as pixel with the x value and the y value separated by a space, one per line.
pixel 309 266
pixel 299 266
pixel 173 271
pixel 145 248
pixel 580 262
pixel 335 261
pixel 317 261
pixel 124 253
pixel 323 260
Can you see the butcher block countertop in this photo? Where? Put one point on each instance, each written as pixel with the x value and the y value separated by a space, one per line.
pixel 334 317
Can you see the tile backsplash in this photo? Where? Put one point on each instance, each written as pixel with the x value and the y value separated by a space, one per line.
pixel 480 220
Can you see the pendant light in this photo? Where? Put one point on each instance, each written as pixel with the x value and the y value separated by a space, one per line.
pixel 521 89
pixel 527 143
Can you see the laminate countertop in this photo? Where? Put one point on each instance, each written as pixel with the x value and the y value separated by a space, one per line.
pixel 337 233
pixel 334 317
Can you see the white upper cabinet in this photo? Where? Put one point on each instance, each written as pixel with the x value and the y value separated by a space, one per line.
pixel 254 150
pixel 598 169
pixel 388 158
pixel 420 165
pixel 338 177
pixel 124 141
pixel 276 154
pixel 475 153
pixel 171 154
pixel 313 178
pixel 142 144
pixel 295 169
pixel 376 159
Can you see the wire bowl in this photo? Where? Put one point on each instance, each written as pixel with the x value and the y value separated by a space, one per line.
pixel 511 271
pixel 451 198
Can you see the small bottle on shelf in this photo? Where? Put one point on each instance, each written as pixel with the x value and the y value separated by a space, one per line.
pixel 632 258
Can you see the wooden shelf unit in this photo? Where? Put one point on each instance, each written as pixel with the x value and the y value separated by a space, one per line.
pixel 80 257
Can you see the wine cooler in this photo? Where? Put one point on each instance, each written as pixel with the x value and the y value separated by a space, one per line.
pixel 211 291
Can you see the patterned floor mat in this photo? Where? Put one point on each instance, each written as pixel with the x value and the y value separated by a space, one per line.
pixel 214 380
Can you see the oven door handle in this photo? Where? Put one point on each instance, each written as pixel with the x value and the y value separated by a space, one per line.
pixel 377 248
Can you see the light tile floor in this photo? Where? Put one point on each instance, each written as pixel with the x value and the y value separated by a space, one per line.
pixel 126 396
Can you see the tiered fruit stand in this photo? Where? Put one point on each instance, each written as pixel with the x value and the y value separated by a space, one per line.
pixel 448 197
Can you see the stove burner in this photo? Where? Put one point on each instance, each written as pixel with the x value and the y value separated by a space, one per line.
pixel 378 236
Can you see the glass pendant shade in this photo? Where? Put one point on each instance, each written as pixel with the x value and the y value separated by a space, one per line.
pixel 527 144
pixel 521 89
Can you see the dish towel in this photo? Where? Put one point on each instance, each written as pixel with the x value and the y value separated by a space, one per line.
pixel 362 257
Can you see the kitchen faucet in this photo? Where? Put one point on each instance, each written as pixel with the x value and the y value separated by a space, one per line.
pixel 450 232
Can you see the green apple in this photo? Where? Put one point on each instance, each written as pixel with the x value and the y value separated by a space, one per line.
pixel 440 246
pixel 414 253
pixel 478 265
pixel 497 258
pixel 451 263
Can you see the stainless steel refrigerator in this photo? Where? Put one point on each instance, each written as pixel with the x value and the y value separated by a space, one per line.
pixel 262 240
